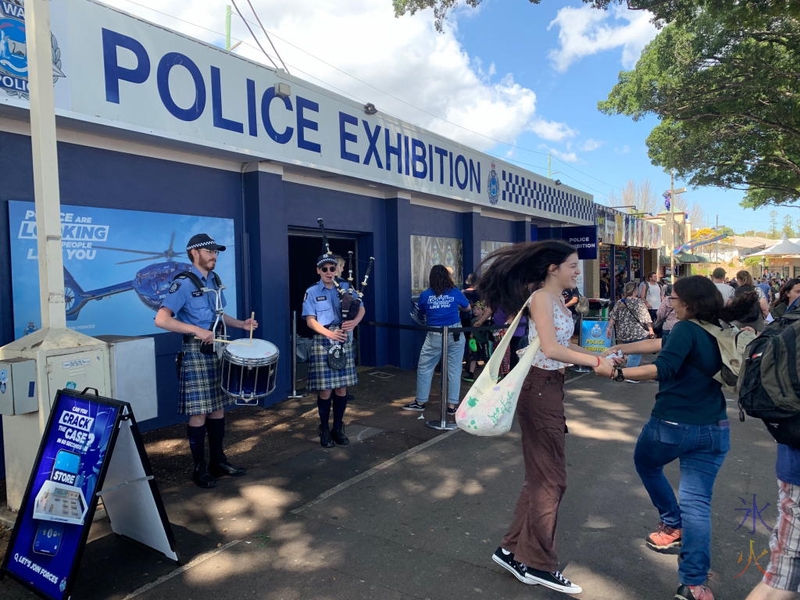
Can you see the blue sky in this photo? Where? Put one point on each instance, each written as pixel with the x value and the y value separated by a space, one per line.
pixel 514 79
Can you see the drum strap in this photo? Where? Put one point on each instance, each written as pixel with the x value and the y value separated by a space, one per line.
pixel 196 280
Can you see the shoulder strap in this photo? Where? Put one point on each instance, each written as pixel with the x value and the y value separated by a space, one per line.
pixel 196 280
pixel 633 314
pixel 191 277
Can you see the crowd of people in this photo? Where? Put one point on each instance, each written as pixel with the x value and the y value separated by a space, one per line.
pixel 688 422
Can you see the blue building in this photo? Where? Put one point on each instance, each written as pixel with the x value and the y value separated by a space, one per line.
pixel 162 136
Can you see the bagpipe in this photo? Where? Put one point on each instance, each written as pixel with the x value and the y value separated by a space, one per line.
pixel 350 298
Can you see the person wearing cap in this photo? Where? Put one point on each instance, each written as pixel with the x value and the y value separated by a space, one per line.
pixel 188 311
pixel 322 310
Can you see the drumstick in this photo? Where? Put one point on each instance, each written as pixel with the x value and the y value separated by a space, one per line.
pixel 252 318
pixel 240 342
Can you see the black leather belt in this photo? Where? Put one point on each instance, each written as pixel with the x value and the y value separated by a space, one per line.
pixel 188 337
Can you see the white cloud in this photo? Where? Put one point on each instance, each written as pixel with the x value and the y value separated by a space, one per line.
pixel 586 31
pixel 552 131
pixel 359 49
pixel 570 157
pixel 590 145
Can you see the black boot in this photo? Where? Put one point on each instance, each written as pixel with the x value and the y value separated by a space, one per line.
pixel 325 437
pixel 339 406
pixel 219 467
pixel 201 477
pixel 337 433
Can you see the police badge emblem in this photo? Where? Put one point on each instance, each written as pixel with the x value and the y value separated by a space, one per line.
pixel 14 51
pixel 493 186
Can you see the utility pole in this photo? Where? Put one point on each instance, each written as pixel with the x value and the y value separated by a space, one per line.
pixel 228 28
pixel 672 226
pixel 672 194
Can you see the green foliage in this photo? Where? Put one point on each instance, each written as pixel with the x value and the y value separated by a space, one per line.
pixel 726 88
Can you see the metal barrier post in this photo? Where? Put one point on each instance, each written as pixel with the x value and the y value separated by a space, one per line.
pixel 443 424
pixel 294 357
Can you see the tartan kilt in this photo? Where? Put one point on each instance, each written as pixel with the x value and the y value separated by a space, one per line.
pixel 320 375
pixel 199 390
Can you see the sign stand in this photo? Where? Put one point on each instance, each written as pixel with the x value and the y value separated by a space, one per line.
pixel 91 449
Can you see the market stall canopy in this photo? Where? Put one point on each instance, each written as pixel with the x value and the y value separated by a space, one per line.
pixel 782 248
pixel 684 258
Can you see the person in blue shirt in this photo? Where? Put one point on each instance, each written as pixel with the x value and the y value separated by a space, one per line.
pixel 688 423
pixel 192 312
pixel 322 310
pixel 440 305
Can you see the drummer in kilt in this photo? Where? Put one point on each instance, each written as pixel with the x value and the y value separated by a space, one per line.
pixel 191 312
pixel 332 367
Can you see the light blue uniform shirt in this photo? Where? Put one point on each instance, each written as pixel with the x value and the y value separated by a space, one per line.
pixel 189 305
pixel 324 304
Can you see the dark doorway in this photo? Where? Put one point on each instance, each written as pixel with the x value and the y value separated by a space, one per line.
pixel 303 252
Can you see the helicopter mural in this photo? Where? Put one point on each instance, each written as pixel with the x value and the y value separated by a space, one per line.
pixel 126 258
pixel 151 283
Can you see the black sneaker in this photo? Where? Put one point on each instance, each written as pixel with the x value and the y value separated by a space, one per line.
pixel 414 406
pixel 553 580
pixel 223 468
pixel 468 377
pixel 505 559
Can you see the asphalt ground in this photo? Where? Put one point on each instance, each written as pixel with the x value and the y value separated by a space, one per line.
pixel 406 511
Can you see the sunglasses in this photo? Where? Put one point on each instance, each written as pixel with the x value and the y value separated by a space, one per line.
pixel 328 269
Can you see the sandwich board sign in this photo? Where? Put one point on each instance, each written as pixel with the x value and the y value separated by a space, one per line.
pixel 91 449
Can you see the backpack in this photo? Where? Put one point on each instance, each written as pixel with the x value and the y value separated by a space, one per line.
pixel 732 343
pixel 769 382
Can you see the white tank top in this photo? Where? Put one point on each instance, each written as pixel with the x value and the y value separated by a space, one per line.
pixel 564 328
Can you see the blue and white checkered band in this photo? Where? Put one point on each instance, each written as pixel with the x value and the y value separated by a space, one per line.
pixel 202 245
pixel 325 259
pixel 524 191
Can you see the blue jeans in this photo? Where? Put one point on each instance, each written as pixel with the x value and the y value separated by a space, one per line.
pixel 428 358
pixel 701 450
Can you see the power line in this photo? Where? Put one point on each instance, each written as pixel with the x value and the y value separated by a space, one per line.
pixel 269 39
pixel 253 34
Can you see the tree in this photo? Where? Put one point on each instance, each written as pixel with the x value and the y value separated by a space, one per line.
pixel 727 93
pixel 787 228
pixel 773 223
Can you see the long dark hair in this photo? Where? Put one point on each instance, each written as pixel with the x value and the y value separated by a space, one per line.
pixel 510 274
pixel 704 301
pixel 783 295
pixel 440 280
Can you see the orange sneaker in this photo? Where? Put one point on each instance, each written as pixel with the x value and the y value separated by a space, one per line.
pixel 693 592
pixel 665 538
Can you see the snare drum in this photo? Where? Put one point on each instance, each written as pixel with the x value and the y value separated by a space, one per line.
pixel 249 370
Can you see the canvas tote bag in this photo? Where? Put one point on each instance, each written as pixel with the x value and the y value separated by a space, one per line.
pixel 488 408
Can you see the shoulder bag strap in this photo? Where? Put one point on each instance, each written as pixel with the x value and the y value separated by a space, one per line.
pixel 642 325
